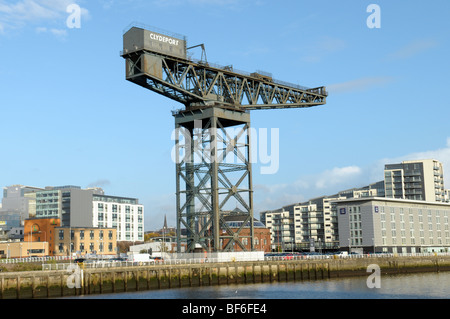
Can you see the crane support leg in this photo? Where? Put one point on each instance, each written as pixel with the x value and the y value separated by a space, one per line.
pixel 214 180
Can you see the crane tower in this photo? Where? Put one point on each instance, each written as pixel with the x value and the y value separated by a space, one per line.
pixel 212 132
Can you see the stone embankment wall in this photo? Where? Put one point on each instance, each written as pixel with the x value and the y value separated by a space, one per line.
pixel 48 284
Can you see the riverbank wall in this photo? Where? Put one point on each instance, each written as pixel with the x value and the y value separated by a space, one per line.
pixel 78 281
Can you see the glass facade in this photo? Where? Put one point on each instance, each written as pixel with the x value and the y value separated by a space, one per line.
pixel 48 204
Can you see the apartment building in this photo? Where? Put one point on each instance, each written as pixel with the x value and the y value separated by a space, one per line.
pixel 416 180
pixel 393 225
pixel 69 203
pixel 312 225
pixel 124 214
pixel 316 224
pixel 303 226
pixel 90 207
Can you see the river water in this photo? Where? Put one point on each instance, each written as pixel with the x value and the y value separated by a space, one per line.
pixel 409 286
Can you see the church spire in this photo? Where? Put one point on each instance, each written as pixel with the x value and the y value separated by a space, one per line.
pixel 165 224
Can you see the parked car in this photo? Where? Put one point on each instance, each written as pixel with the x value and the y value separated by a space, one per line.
pixel 288 256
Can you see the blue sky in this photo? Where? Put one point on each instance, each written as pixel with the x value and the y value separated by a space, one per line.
pixel 69 117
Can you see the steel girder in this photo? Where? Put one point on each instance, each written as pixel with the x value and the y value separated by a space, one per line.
pixel 199 84
pixel 213 171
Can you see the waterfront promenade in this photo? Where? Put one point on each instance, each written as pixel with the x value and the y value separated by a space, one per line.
pixel 86 280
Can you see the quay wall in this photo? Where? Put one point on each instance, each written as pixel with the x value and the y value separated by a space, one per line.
pixel 52 284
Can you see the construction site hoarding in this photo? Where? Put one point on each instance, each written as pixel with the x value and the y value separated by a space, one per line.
pixel 137 39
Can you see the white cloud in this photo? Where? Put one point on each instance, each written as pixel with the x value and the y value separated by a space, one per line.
pixel 322 48
pixel 227 4
pixel 441 154
pixel 337 176
pixel 359 85
pixel 413 48
pixel 59 33
pixel 307 187
pixel 24 12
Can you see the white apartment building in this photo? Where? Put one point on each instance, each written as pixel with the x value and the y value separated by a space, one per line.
pixel 304 226
pixel 417 180
pixel 124 214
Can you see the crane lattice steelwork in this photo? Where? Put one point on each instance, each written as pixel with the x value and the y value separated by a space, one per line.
pixel 216 100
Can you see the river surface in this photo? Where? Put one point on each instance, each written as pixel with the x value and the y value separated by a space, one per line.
pixel 410 286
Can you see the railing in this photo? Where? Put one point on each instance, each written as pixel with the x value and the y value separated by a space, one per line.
pixel 111 264
pixel 287 256
pixel 32 259
pixel 189 261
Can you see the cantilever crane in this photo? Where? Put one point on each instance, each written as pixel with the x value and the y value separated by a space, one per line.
pixel 215 98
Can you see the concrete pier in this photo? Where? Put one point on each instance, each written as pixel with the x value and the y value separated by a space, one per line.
pixel 48 284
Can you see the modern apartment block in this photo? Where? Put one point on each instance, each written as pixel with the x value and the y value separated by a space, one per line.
pixel 299 226
pixel 416 180
pixel 124 214
pixel 89 208
pixel 326 222
pixel 311 225
pixel 393 225
pixel 71 204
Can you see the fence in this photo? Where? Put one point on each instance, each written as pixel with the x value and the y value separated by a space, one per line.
pixel 32 259
pixel 177 260
pixel 288 256
pixel 94 264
